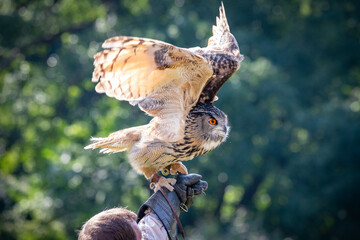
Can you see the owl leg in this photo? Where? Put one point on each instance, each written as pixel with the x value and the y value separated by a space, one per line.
pixel 148 172
pixel 178 167
pixel 160 182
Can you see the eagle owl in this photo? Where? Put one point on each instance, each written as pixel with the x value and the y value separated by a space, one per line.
pixel 177 86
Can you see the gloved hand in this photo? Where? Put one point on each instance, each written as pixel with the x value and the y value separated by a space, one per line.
pixel 187 186
pixel 182 197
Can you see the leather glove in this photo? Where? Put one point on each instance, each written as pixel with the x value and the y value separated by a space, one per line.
pixel 185 188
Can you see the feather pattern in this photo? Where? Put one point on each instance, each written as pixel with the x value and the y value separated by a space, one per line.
pixel 164 80
pixel 224 54
pixel 220 28
pixel 132 68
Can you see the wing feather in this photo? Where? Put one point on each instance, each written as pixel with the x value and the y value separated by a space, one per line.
pixel 224 54
pixel 133 68
pixel 165 80
pixel 220 29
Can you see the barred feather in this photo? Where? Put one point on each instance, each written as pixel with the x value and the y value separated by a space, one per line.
pixel 220 28
pixel 133 68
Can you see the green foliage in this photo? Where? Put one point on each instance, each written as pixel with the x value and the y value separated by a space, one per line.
pixel 289 170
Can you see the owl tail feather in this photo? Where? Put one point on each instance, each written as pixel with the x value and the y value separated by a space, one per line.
pixel 118 141
pixel 107 145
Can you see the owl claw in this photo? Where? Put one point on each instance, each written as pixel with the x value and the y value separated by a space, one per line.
pixel 178 167
pixel 165 182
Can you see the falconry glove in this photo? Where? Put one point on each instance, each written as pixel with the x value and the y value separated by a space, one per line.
pixel 181 199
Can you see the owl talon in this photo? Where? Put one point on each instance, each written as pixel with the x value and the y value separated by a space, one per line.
pixel 178 167
pixel 165 182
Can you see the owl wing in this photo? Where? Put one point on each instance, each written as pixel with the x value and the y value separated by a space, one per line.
pixel 164 80
pixel 226 57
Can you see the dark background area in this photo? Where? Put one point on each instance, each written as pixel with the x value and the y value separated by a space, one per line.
pixel 289 169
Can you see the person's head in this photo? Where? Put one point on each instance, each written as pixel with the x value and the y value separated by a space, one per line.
pixel 112 224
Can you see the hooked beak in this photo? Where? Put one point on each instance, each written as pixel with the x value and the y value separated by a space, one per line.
pixel 225 128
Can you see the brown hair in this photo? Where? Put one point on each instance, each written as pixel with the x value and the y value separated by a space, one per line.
pixel 112 224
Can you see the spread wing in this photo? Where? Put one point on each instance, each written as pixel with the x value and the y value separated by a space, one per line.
pixel 164 80
pixel 224 54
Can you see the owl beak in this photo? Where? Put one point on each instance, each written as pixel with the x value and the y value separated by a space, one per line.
pixel 225 129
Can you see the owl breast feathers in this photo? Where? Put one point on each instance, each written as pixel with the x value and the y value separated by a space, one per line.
pixel 176 86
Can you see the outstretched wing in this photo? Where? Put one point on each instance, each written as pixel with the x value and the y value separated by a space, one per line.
pixel 163 79
pixel 224 54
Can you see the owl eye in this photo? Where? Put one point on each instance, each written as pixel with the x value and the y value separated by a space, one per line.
pixel 212 121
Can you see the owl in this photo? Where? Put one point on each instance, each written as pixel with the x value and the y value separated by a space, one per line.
pixel 177 87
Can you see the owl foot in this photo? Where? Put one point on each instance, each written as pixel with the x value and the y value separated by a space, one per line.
pixel 178 167
pixel 160 182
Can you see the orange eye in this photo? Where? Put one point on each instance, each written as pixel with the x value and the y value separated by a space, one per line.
pixel 213 122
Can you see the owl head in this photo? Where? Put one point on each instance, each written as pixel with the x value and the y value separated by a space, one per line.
pixel 208 125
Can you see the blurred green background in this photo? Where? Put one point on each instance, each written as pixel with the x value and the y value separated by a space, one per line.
pixel 289 170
